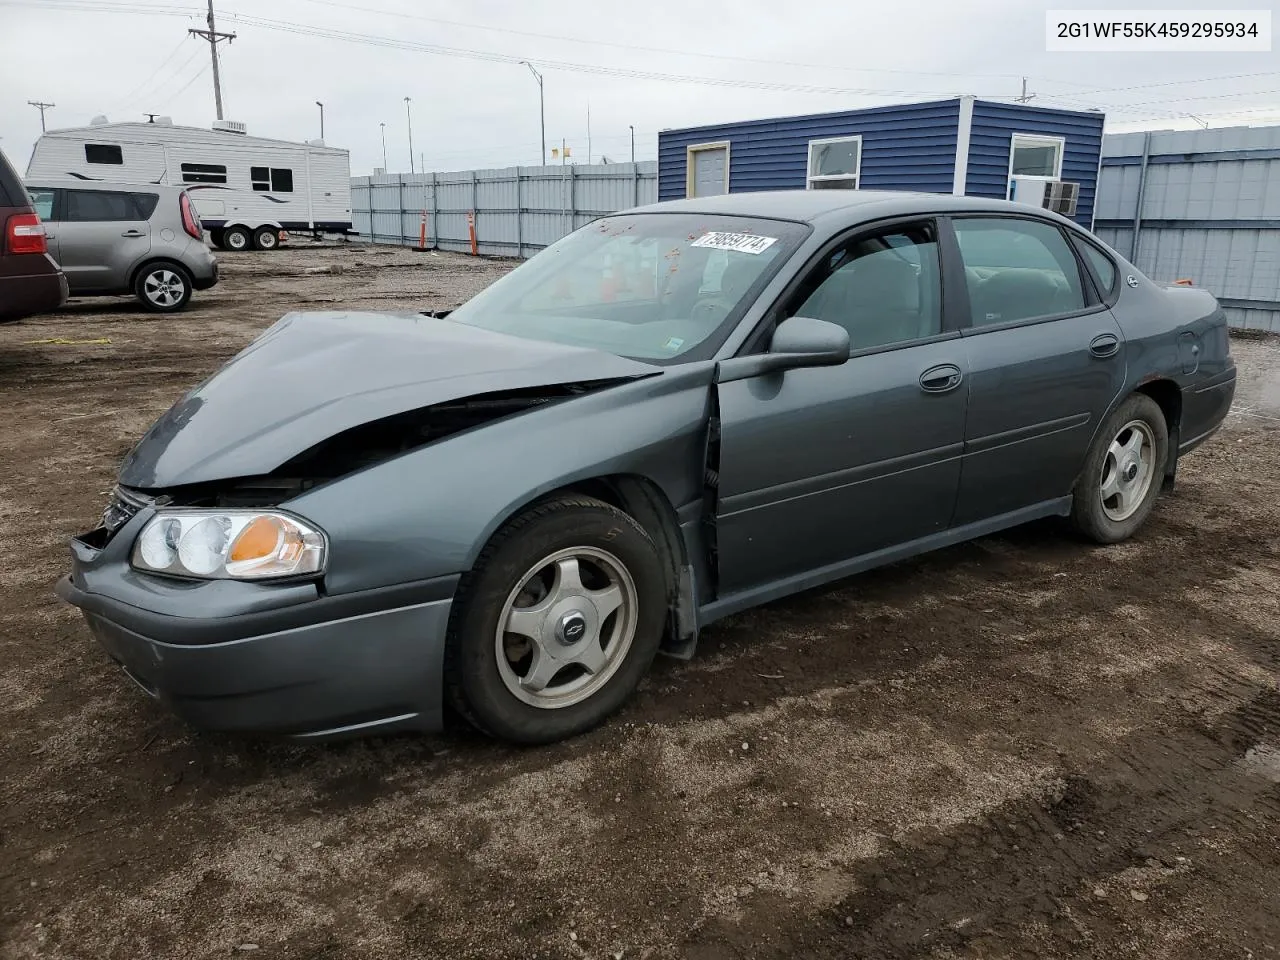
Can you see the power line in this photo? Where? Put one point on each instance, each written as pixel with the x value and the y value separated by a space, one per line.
pixel 146 90
pixel 129 98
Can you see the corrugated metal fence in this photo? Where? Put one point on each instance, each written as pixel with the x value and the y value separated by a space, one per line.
pixel 517 210
pixel 1202 205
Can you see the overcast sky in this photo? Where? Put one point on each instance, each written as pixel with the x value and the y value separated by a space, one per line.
pixel 123 57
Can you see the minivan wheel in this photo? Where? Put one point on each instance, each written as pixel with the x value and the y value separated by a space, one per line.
pixel 236 238
pixel 163 287
pixel 1123 473
pixel 266 238
pixel 557 624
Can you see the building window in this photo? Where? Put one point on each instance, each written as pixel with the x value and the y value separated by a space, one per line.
pixel 275 179
pixel 834 163
pixel 1032 156
pixel 103 153
pixel 203 173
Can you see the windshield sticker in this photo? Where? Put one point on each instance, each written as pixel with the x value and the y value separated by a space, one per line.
pixel 742 242
pixel 674 343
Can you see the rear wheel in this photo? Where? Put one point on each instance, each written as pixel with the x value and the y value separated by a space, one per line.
pixel 266 238
pixel 236 238
pixel 558 624
pixel 215 237
pixel 1123 473
pixel 163 287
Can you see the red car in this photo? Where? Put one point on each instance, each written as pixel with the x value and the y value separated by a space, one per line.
pixel 30 280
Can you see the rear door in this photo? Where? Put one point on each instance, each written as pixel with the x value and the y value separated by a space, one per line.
pixel 1046 360
pixel 102 236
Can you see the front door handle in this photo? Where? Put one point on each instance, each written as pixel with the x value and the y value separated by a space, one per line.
pixel 133 233
pixel 941 379
pixel 1104 345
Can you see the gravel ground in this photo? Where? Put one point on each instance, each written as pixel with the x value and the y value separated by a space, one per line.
pixel 1019 747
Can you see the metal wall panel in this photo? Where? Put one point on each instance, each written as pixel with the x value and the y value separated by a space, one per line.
pixel 517 210
pixel 1210 206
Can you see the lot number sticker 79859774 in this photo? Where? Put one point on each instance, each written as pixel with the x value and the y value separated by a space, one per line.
pixel 742 242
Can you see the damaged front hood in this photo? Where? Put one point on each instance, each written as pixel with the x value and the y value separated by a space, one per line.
pixel 313 375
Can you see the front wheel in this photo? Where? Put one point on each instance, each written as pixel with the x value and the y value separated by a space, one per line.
pixel 163 287
pixel 558 624
pixel 1123 473
pixel 236 239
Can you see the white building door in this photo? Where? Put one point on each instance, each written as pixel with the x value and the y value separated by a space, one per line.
pixel 709 170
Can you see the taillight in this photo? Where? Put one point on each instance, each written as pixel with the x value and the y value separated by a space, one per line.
pixel 25 234
pixel 189 221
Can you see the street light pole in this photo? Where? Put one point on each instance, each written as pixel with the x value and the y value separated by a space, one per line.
pixel 542 110
pixel 633 142
pixel 321 106
pixel 409 115
pixel 384 146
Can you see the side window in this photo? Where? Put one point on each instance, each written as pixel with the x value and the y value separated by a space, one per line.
pixel 1017 270
pixel 96 206
pixel 146 204
pixel 203 173
pixel 1104 271
pixel 275 179
pixel 882 288
pixel 103 153
pixel 42 200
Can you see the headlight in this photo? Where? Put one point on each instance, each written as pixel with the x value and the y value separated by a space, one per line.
pixel 228 544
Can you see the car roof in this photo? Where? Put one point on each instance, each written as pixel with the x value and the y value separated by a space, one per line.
pixel 833 208
pixel 64 183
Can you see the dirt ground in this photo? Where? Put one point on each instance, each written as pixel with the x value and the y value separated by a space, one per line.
pixel 1020 747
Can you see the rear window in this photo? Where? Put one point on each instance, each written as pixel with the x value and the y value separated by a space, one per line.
pixel 97 206
pixel 146 204
pixel 103 153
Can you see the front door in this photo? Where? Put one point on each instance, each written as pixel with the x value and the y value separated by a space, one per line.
pixel 1046 361
pixel 101 237
pixel 823 465
pixel 709 171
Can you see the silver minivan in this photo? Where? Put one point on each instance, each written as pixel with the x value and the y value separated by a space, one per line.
pixel 126 238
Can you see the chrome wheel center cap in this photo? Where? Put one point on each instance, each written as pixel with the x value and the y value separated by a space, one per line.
pixel 571 628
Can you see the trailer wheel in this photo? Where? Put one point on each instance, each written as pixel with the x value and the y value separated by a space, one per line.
pixel 266 238
pixel 236 238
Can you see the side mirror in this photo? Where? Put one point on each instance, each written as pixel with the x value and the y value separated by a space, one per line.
pixel 797 342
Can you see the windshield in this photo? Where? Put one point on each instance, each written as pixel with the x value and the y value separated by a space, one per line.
pixel 649 286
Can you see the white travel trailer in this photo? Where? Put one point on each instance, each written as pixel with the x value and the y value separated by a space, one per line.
pixel 246 189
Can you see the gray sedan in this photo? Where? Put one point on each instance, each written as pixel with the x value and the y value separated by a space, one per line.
pixel 365 522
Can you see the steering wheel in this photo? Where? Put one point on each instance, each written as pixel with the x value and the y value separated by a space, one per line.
pixel 712 308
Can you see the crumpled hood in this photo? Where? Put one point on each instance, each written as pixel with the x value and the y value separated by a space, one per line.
pixel 313 375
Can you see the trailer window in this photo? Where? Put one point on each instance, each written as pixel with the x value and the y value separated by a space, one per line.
pixel 204 173
pixel 103 153
pixel 275 179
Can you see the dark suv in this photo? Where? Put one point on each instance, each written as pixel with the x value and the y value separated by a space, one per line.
pixel 30 280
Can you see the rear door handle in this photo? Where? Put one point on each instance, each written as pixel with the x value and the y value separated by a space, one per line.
pixel 133 233
pixel 1104 345
pixel 941 379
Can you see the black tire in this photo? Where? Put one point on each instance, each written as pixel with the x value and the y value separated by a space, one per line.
pixel 236 239
pixel 163 287
pixel 266 238
pixel 215 237
pixel 1089 512
pixel 473 680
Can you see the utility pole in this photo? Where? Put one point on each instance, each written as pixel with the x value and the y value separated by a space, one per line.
pixel 42 107
pixel 564 152
pixel 588 132
pixel 213 37
pixel 542 110
pixel 384 146
pixel 633 141
pixel 321 106
pixel 410 118
pixel 1025 96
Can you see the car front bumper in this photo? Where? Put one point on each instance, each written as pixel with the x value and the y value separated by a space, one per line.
pixel 261 658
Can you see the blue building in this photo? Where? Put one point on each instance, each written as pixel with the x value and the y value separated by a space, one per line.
pixel 961 146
